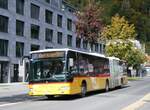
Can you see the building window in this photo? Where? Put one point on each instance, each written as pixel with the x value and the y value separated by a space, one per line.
pixel 20 7
pixel 19 49
pixel 59 37
pixel 34 47
pixel 96 47
pixel 47 1
pixel 69 40
pixel 91 46
pixel 4 4
pixel 35 31
pixel 78 42
pixel 85 43
pixel 100 48
pixel 3 24
pixel 49 35
pixel 19 28
pixel 3 47
pixel 48 16
pixel 48 47
pixel 35 10
pixel 104 47
pixel 59 20
pixel 69 24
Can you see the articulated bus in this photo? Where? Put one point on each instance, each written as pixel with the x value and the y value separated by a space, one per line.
pixel 68 72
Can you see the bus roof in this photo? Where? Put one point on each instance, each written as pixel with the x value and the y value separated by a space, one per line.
pixel 68 49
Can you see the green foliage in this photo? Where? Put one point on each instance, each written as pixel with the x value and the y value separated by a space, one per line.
pixel 119 29
pixel 119 44
pixel 136 12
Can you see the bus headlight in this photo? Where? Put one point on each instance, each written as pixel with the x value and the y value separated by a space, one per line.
pixel 64 88
pixel 31 89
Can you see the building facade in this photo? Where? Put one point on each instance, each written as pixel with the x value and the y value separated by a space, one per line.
pixel 28 25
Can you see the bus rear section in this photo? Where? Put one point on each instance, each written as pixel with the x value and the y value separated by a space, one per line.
pixel 67 72
pixel 118 72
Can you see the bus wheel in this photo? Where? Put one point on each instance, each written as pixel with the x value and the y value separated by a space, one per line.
pixel 83 89
pixel 50 96
pixel 107 86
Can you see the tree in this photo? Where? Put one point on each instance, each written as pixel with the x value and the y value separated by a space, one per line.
pixel 89 24
pixel 119 29
pixel 119 35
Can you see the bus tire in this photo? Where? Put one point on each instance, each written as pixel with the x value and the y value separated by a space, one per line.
pixel 107 86
pixel 49 96
pixel 83 89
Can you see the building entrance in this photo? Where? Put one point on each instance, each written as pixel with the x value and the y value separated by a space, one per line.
pixel 3 72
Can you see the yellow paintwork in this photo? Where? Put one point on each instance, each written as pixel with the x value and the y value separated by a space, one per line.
pixel 62 88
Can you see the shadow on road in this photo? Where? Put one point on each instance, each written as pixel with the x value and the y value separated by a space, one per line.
pixel 16 98
pixel 25 97
pixel 76 97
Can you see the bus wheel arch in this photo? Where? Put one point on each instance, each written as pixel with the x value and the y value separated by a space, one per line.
pixel 83 88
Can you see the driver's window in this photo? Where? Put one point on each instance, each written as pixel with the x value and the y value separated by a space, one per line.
pixel 72 62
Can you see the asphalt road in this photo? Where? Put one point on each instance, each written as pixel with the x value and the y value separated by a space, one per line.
pixel 116 99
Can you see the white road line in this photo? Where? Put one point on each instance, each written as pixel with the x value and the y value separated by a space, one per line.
pixel 9 104
pixel 138 103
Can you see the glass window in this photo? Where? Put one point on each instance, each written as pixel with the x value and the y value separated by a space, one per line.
pixel 51 69
pixel 69 24
pixel 3 47
pixel 100 48
pixel 34 47
pixel 59 20
pixel 78 42
pixel 85 43
pixel 4 4
pixel 3 24
pixel 49 35
pixel 59 37
pixel 47 1
pixel 19 49
pixel 72 68
pixel 19 28
pixel 35 10
pixel 104 48
pixel 69 40
pixel 91 46
pixel 35 31
pixel 48 16
pixel 48 47
pixel 20 7
pixel 96 47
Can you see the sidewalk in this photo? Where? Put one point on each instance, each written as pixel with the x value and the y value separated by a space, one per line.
pixel 10 89
pixel 146 105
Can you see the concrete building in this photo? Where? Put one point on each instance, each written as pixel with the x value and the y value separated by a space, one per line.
pixel 27 25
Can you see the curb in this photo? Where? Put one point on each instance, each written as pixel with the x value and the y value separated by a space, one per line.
pixel 12 84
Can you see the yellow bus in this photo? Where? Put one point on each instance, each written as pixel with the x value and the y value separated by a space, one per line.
pixel 67 72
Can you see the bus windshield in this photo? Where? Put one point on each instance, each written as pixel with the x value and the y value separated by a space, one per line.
pixel 48 69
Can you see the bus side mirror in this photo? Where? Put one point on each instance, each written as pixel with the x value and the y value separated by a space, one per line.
pixel 23 58
pixel 70 62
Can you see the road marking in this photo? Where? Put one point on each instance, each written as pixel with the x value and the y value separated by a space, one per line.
pixel 138 103
pixel 9 104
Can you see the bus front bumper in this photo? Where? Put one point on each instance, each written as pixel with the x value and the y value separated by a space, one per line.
pixel 49 89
